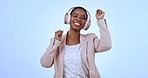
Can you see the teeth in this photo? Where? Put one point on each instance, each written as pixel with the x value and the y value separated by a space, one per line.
pixel 76 23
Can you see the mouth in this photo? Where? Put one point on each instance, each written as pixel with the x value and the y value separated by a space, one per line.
pixel 77 24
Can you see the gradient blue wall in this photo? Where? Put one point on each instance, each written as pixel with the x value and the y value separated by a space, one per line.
pixel 27 25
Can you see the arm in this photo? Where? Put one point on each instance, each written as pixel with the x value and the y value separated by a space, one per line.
pixel 48 57
pixel 104 43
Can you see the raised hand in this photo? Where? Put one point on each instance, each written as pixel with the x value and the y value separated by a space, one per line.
pixel 100 14
pixel 58 34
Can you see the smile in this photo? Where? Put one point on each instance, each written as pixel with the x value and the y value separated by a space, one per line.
pixel 77 23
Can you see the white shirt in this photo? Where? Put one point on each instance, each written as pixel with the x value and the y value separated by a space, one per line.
pixel 73 65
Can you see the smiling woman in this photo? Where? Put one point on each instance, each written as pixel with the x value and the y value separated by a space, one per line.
pixel 73 53
pixel 27 25
pixel 78 18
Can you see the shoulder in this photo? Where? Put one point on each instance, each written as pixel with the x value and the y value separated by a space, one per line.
pixel 89 35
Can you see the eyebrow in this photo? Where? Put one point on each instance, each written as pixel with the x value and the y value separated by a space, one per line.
pixel 78 14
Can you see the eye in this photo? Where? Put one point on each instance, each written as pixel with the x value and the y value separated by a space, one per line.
pixel 75 15
pixel 83 17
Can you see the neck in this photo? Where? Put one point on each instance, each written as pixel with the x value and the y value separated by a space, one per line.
pixel 73 37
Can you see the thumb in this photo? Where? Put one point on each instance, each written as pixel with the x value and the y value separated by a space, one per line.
pixel 61 31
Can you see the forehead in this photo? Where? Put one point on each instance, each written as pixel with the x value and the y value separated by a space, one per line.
pixel 79 11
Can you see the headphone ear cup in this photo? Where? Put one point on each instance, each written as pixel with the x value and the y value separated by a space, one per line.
pixel 87 25
pixel 66 19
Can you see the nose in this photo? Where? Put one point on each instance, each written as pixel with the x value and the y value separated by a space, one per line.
pixel 79 19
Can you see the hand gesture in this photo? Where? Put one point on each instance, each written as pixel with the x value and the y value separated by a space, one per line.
pixel 58 34
pixel 99 14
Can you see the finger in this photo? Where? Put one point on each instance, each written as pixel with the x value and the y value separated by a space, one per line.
pixel 97 11
pixel 100 11
pixel 57 31
pixel 59 35
pixel 61 31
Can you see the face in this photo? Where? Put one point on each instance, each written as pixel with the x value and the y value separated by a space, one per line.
pixel 78 19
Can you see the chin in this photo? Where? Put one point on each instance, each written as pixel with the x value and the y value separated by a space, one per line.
pixel 77 28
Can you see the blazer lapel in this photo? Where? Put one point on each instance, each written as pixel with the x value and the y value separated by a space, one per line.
pixel 84 44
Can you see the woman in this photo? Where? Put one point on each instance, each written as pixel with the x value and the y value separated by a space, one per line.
pixel 73 54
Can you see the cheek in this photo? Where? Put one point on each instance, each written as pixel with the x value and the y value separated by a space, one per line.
pixel 71 19
pixel 83 22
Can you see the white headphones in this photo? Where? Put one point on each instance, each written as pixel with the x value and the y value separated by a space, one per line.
pixel 67 18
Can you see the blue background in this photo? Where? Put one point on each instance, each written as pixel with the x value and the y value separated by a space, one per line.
pixel 27 25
